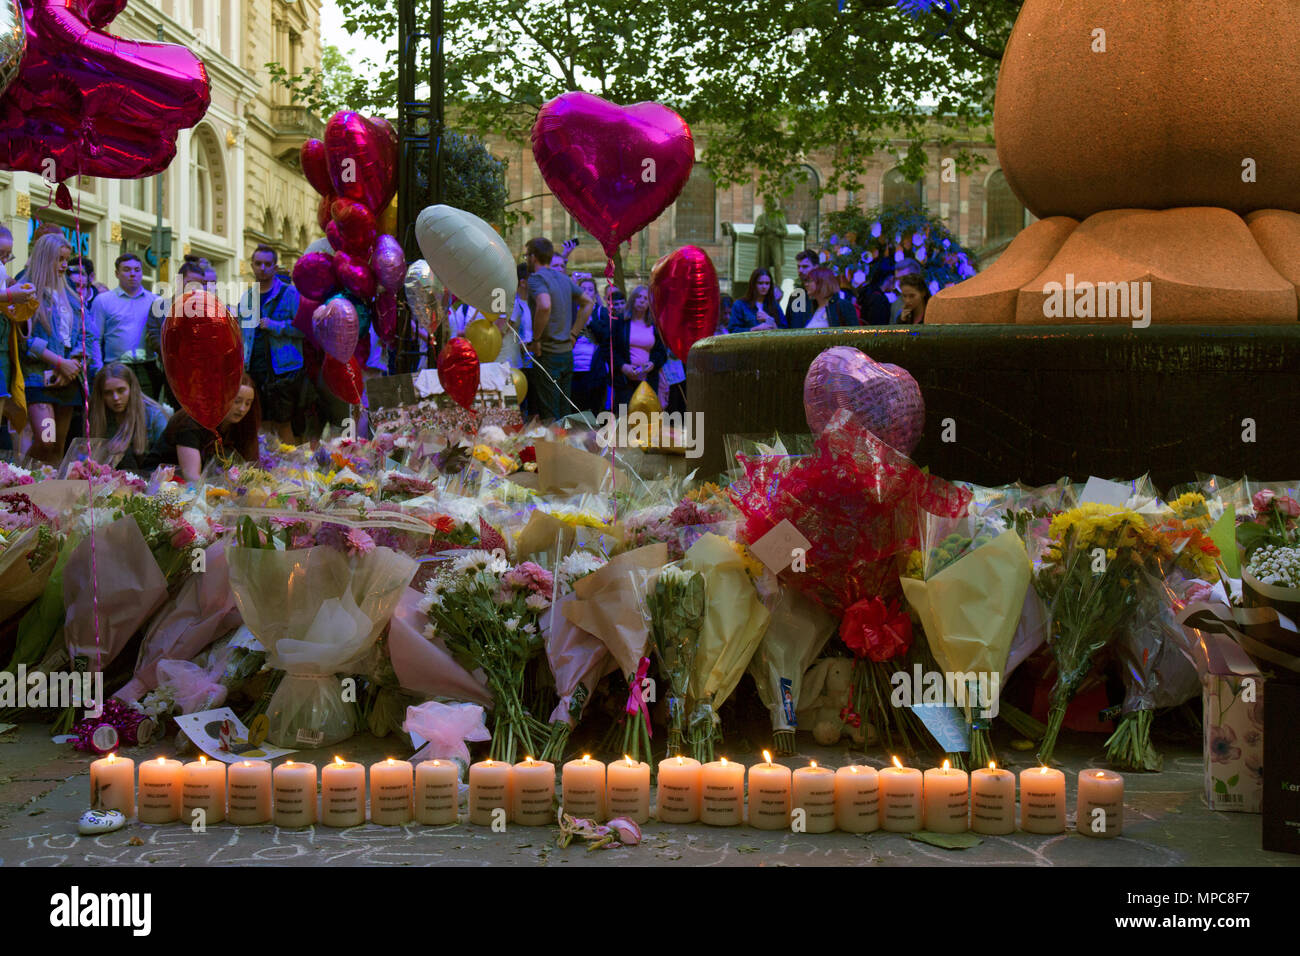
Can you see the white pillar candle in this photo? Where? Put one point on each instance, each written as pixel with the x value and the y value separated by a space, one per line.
pixel 437 792
pixel 295 794
pixel 678 796
pixel 342 794
pixel 249 786
pixel 390 792
pixel 814 794
pixel 112 784
pixel 627 789
pixel 857 799
pixel 582 788
pixel 901 800
pixel 1100 808
pixel 769 795
pixel 993 800
pixel 204 788
pixel 160 790
pixel 1042 800
pixel 947 800
pixel 722 793
pixel 532 793
pixel 489 791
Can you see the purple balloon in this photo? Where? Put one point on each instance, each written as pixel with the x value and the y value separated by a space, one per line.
pixel 389 263
pixel 313 276
pixel 884 399
pixel 356 277
pixel 337 327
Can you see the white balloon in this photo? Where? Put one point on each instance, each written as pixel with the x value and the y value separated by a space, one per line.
pixel 320 245
pixel 469 257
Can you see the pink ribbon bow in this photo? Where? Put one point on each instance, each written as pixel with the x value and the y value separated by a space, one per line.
pixel 635 699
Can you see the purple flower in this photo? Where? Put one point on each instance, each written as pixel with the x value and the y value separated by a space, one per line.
pixel 1223 745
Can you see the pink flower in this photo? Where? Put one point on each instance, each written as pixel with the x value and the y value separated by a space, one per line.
pixel 1287 505
pixel 531 577
pixel 302 541
pixel 1261 500
pixel 359 542
pixel 1223 745
pixel 183 535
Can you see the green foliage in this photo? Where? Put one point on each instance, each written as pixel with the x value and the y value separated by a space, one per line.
pixel 335 86
pixel 857 237
pixel 472 178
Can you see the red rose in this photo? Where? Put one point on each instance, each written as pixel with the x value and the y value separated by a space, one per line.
pixel 1287 505
pixel 876 630
pixel 528 455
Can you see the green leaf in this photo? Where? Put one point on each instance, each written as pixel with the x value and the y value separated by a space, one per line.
pixel 1232 781
pixel 1220 786
pixel 947 841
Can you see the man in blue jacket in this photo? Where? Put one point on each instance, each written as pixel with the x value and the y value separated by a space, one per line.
pixel 273 350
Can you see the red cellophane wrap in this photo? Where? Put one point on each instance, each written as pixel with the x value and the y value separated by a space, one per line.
pixel 857 501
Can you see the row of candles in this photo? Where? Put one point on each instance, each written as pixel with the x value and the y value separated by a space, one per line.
pixel 855 799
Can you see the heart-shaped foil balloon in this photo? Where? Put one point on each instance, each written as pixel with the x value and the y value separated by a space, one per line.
pixel 355 276
pixel 313 276
pixel 614 168
pixel 337 328
pixel 325 210
pixel 203 356
pixel 458 372
pixel 684 294
pixel 388 262
pixel 315 167
pixel 356 227
pixel 386 316
pixel 884 399
pixel 362 155
pixel 344 379
pixel 13 42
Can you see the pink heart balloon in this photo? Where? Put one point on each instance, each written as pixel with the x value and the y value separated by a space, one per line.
pixel 884 399
pixel 389 262
pixel 313 276
pixel 315 167
pixel 598 159
pixel 337 328
pixel 362 156
pixel 355 276
pixel 684 294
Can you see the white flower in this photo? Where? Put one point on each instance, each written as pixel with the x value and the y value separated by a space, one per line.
pixel 535 602
pixel 478 560
pixel 530 629
pixel 492 435
pixel 512 624
pixel 578 565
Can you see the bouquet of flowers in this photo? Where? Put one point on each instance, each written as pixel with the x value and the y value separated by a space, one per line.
pixel 29 546
pixel 488 612
pixel 676 607
pixel 1269 545
pixel 1097 563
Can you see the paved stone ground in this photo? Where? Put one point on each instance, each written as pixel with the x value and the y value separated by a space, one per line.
pixel 44 788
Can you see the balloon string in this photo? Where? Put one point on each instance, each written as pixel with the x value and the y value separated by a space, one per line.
pixel 609 291
pixel 85 415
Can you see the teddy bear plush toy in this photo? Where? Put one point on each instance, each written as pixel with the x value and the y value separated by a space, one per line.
pixel 828 690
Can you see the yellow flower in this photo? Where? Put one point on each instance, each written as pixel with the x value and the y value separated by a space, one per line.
pixel 482 453
pixel 914 566
pixel 286 449
pixel 218 493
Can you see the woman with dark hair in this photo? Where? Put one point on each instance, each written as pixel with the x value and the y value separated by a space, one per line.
pixel 828 309
pixel 639 352
pixel 873 304
pixel 758 310
pixel 915 296
pixel 121 413
pixel 189 446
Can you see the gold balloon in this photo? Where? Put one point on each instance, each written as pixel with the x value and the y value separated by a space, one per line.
pixel 388 219
pixel 644 401
pixel 20 312
pixel 521 384
pixel 484 335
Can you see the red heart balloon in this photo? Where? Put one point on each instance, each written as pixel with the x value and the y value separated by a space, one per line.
pixel 362 156
pixel 344 380
pixel 302 318
pixel 355 276
pixel 203 356
pixel 386 316
pixel 323 210
pixel 614 168
pixel 458 372
pixel 314 167
pixel 314 275
pixel 685 297
pixel 356 226
pixel 334 237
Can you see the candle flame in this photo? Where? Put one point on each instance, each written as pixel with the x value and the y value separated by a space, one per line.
pixel 586 758
pixel 768 757
pixel 247 764
pixel 945 765
pixel 391 761
pixel 813 764
pixel 112 758
pixel 629 761
pixel 487 763
pixel 854 769
pixel 435 763
pixel 203 760
pixel 529 761
pixel 287 763
pixel 724 761
pixel 1101 773
pixel 993 765
pixel 162 759
pixel 1042 769
pixel 680 761
pixel 898 763
pixel 338 760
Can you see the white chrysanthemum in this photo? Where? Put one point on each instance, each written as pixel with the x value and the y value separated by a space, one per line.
pixel 472 562
pixel 460 510
pixel 492 435
pixel 530 629
pixel 578 565
pixel 512 624
pixel 535 602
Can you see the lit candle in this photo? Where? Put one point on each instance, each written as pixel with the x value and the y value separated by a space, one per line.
pixel 532 793
pixel 295 794
pixel 1100 810
pixel 678 795
pixel 112 784
pixel 901 803
pixel 993 800
pixel 947 800
pixel 437 792
pixel 342 794
pixel 160 790
pixel 627 790
pixel 1042 800
pixel 857 799
pixel 249 782
pixel 582 788
pixel 814 794
pixel 489 790
pixel 769 795
pixel 722 793
pixel 204 788
pixel 390 792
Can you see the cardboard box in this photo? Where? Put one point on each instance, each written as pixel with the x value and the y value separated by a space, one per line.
pixel 1233 697
pixel 1281 804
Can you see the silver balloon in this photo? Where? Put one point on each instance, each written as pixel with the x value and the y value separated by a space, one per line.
pixel 321 245
pixel 421 292
pixel 13 42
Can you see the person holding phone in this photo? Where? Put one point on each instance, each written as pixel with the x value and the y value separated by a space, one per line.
pixel 758 310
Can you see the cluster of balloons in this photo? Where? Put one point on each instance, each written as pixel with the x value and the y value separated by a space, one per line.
pixel 350 278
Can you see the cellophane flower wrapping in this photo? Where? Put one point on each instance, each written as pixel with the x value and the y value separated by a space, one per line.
pixel 315 609
pixel 676 606
pixel 857 501
pixel 1097 562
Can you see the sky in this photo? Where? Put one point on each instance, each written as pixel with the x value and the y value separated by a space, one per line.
pixel 355 48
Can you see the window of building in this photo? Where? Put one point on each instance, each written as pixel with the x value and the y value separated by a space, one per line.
pixel 695 218
pixel 1004 214
pixel 897 190
pixel 802 205
pixel 207 183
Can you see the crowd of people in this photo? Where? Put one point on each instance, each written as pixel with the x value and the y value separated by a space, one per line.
pixel 88 346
